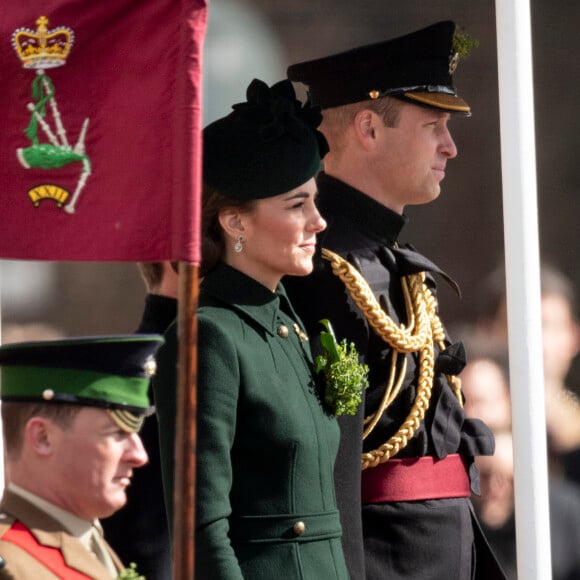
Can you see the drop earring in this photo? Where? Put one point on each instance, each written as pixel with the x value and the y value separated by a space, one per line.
pixel 238 247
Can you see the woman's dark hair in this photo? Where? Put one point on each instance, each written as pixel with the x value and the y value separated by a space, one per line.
pixel 212 235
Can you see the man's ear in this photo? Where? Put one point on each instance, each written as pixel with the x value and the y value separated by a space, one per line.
pixel 39 435
pixel 231 221
pixel 365 127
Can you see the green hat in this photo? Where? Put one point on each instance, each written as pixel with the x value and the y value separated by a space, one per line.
pixel 418 66
pixel 265 147
pixel 111 372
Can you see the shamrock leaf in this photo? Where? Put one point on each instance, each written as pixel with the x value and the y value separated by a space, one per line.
pixel 130 573
pixel 345 377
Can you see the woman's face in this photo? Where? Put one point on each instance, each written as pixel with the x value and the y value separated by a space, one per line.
pixel 280 236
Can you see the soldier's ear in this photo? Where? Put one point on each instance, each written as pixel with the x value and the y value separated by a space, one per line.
pixel 39 435
pixel 366 123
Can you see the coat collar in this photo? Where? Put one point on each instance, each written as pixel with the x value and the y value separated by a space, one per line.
pixel 246 295
pixel 367 215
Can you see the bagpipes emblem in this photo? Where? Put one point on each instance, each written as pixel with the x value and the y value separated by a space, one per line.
pixel 43 49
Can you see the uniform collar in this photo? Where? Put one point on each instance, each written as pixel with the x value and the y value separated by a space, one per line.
pixel 76 526
pixel 246 295
pixel 364 213
pixel 49 531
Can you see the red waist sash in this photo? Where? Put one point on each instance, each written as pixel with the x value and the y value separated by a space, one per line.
pixel 415 478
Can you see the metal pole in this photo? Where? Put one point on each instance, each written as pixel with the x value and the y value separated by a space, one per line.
pixel 523 288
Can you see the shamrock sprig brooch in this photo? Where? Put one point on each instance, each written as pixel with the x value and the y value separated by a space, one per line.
pixel 345 377
pixel 130 573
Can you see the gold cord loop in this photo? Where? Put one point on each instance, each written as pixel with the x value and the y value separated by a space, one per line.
pixel 424 329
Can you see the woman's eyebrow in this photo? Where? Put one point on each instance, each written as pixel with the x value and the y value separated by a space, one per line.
pixel 299 195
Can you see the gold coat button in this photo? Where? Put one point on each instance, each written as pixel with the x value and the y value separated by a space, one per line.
pixel 283 331
pixel 299 528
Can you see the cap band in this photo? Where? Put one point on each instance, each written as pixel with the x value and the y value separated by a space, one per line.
pixel 44 384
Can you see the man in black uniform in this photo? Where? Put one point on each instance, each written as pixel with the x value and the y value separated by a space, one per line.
pixel 386 109
pixel 139 531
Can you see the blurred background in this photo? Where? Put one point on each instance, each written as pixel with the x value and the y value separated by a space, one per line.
pixel 462 231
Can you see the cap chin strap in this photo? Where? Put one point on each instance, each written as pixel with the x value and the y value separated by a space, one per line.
pixel 442 89
pixel 126 420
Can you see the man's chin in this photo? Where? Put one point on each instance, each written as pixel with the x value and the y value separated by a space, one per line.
pixel 112 507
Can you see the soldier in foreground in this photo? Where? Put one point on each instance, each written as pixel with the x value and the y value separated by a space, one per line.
pixel 71 412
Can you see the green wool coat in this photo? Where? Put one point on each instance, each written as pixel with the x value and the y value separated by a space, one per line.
pixel 265 504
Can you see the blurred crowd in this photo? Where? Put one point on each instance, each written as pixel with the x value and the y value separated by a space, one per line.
pixel 485 382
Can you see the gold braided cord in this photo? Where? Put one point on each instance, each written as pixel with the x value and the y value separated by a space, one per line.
pixel 423 330
pixel 402 339
pixel 391 391
pixel 439 338
pixel 420 405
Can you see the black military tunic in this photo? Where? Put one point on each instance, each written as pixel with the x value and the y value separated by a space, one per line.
pixel 138 532
pixel 420 539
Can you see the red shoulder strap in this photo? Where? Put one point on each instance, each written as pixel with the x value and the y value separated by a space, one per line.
pixel 51 558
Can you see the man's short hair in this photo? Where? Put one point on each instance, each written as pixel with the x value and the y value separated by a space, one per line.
pixel 15 416
pixel 152 274
pixel 337 119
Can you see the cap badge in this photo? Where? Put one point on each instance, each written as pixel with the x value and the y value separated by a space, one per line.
pixel 150 367
pixel 453 61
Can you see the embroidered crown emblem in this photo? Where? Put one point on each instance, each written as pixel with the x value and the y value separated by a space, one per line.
pixel 43 48
pixel 40 50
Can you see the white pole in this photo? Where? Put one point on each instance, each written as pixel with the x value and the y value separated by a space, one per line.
pixel 523 289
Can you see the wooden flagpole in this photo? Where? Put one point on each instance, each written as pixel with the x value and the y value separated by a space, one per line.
pixel 2 474
pixel 185 430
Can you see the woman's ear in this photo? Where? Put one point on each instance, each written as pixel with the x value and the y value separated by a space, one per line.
pixel 231 222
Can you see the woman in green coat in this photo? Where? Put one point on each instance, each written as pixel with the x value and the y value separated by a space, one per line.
pixel 265 503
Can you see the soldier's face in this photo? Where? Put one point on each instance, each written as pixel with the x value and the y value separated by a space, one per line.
pixel 410 159
pixel 96 460
pixel 280 236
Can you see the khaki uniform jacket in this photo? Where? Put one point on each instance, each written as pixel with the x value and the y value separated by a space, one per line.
pixel 21 565
pixel 266 506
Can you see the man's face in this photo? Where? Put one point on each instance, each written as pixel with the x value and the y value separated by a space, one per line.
pixel 410 159
pixel 95 461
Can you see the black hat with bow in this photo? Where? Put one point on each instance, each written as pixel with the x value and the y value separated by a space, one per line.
pixel 266 146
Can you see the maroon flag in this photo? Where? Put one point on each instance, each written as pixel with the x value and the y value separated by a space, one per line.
pixel 100 128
